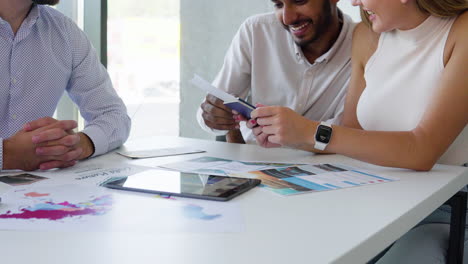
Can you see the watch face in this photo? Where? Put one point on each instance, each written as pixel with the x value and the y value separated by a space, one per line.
pixel 323 134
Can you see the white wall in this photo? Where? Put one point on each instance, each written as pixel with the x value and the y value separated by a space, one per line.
pixel 207 28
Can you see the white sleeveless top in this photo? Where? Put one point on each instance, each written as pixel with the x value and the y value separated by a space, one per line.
pixel 401 78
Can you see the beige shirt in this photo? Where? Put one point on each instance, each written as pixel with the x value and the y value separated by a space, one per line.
pixel 264 63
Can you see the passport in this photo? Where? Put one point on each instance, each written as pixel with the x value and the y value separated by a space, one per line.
pixel 234 103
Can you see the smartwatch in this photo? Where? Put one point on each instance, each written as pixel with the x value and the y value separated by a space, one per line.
pixel 323 136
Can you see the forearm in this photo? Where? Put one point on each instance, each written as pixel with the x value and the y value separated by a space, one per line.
pixel 403 149
pixel 235 136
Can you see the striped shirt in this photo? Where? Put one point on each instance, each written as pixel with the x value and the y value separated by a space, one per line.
pixel 50 55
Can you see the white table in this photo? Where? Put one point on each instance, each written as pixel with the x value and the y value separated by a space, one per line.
pixel 342 226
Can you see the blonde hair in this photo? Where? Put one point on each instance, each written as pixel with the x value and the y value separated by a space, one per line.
pixel 438 8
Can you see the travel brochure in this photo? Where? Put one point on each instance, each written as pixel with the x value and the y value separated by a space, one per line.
pixel 284 178
pixel 314 178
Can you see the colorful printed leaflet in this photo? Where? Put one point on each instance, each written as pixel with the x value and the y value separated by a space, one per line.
pixel 81 208
pixel 314 178
pixel 50 210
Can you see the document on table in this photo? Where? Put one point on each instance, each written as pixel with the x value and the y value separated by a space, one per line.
pixel 87 173
pixel 163 152
pixel 77 208
pixel 218 166
pixel 314 178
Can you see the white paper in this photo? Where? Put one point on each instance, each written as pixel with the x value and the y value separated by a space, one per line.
pixel 209 88
pixel 92 173
pixel 163 152
pixel 88 208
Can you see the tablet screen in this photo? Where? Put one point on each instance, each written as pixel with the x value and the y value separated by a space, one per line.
pixel 184 184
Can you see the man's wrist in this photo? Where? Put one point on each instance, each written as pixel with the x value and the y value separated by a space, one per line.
pixel 87 145
pixel 235 136
pixel 8 156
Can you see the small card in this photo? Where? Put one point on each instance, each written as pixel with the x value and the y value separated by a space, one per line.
pixel 235 103
pixel 154 153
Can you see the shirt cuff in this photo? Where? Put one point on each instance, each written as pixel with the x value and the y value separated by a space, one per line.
pixel 98 138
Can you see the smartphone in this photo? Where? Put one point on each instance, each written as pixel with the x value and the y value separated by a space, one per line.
pixel 192 185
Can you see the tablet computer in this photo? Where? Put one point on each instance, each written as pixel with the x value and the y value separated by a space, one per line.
pixel 201 186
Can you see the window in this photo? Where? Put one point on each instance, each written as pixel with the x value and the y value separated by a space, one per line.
pixel 143 61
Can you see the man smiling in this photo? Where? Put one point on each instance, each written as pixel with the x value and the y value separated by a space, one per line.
pixel 298 57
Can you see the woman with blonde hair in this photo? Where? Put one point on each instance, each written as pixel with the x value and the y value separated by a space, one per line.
pixel 407 105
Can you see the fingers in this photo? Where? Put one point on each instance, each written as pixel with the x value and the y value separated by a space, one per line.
pixel 54 131
pixel 48 135
pixel 57 164
pixel 215 101
pixel 68 141
pixel 71 155
pixel 239 117
pixel 42 122
pixel 220 118
pixel 262 139
pixel 58 157
pixel 266 121
pixel 257 131
pixel 219 124
pixel 264 112
pixel 216 110
pixel 52 151
pixel 271 130
pixel 67 125
pixel 252 123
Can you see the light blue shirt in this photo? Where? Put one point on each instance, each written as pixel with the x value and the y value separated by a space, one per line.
pixel 50 55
